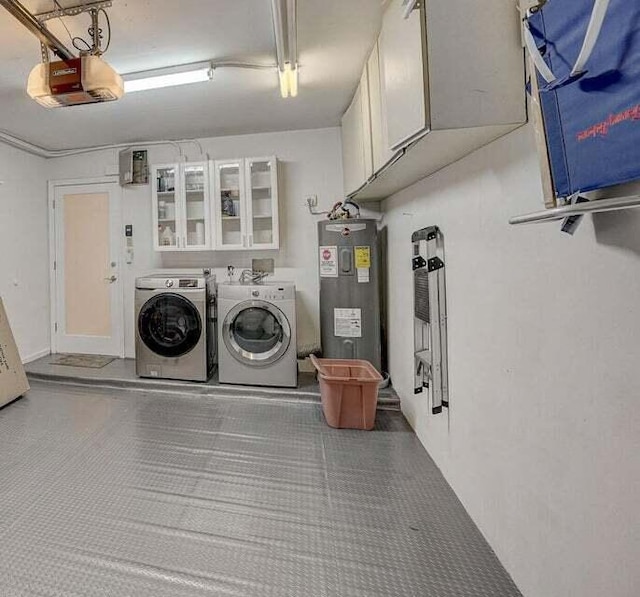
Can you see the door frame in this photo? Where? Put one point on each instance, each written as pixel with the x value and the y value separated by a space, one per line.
pixel 53 185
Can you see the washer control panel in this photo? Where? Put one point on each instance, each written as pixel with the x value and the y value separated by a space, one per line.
pixel 162 281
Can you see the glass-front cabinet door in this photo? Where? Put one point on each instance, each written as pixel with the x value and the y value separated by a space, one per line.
pixel 181 207
pixel 166 207
pixel 197 231
pixel 229 205
pixel 262 203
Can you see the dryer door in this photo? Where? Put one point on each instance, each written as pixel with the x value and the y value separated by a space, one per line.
pixel 170 325
pixel 256 333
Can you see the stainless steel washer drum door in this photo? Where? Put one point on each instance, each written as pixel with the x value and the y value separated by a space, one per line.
pixel 256 333
pixel 170 325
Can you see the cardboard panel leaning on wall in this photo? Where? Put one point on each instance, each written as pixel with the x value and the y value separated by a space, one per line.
pixel 13 381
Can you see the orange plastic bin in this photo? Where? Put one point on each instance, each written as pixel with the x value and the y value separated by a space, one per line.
pixel 349 392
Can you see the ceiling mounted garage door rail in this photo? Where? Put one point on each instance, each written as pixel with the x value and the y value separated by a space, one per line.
pixel 37 28
pixel 73 11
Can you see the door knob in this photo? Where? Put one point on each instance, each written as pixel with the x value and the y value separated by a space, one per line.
pixel 111 279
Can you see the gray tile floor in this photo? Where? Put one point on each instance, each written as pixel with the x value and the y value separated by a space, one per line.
pixel 109 492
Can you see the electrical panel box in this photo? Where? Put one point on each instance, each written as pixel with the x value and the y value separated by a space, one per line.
pixel 134 167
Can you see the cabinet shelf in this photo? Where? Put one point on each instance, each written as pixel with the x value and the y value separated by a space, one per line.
pixel 188 203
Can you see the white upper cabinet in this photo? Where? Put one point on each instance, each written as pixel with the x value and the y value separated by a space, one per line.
pixel 403 74
pixel 367 147
pixel 245 205
pixel 380 146
pixel 197 235
pixel 229 205
pixel 262 203
pixel 356 139
pixel 166 207
pixel 451 79
pixel 181 207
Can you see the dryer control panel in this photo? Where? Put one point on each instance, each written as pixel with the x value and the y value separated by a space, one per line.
pixel 270 293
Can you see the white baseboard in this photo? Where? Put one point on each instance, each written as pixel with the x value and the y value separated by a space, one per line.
pixel 36 356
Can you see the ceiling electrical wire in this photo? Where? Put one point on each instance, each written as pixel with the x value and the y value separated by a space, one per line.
pixel 106 16
pixel 57 5
pixel 76 40
pixel 81 44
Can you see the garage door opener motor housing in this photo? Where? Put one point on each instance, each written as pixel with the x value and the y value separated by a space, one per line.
pixel 84 80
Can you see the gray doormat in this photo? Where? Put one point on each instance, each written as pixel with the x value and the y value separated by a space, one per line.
pixel 90 361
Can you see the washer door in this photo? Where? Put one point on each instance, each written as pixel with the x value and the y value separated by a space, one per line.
pixel 169 325
pixel 256 333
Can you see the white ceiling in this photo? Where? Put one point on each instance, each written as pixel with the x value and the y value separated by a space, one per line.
pixel 334 37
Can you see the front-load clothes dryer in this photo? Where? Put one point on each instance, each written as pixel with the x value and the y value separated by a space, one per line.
pixel 257 334
pixel 175 327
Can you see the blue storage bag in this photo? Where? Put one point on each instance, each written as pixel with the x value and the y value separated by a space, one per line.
pixel 591 117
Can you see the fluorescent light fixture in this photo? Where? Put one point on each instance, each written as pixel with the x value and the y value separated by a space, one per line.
pixel 284 83
pixel 293 80
pixel 168 77
pixel 289 80
pixel 286 33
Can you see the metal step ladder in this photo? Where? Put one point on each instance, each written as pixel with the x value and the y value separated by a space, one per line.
pixel 430 317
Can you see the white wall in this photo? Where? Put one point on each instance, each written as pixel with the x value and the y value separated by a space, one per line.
pixel 542 441
pixel 310 164
pixel 24 248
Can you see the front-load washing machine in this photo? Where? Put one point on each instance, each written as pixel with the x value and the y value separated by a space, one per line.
pixel 175 326
pixel 257 334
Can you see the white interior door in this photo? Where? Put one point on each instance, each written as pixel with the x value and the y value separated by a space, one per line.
pixel 88 311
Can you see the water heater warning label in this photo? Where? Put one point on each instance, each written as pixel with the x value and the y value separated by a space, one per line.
pixel 363 257
pixel 328 262
pixel 347 323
